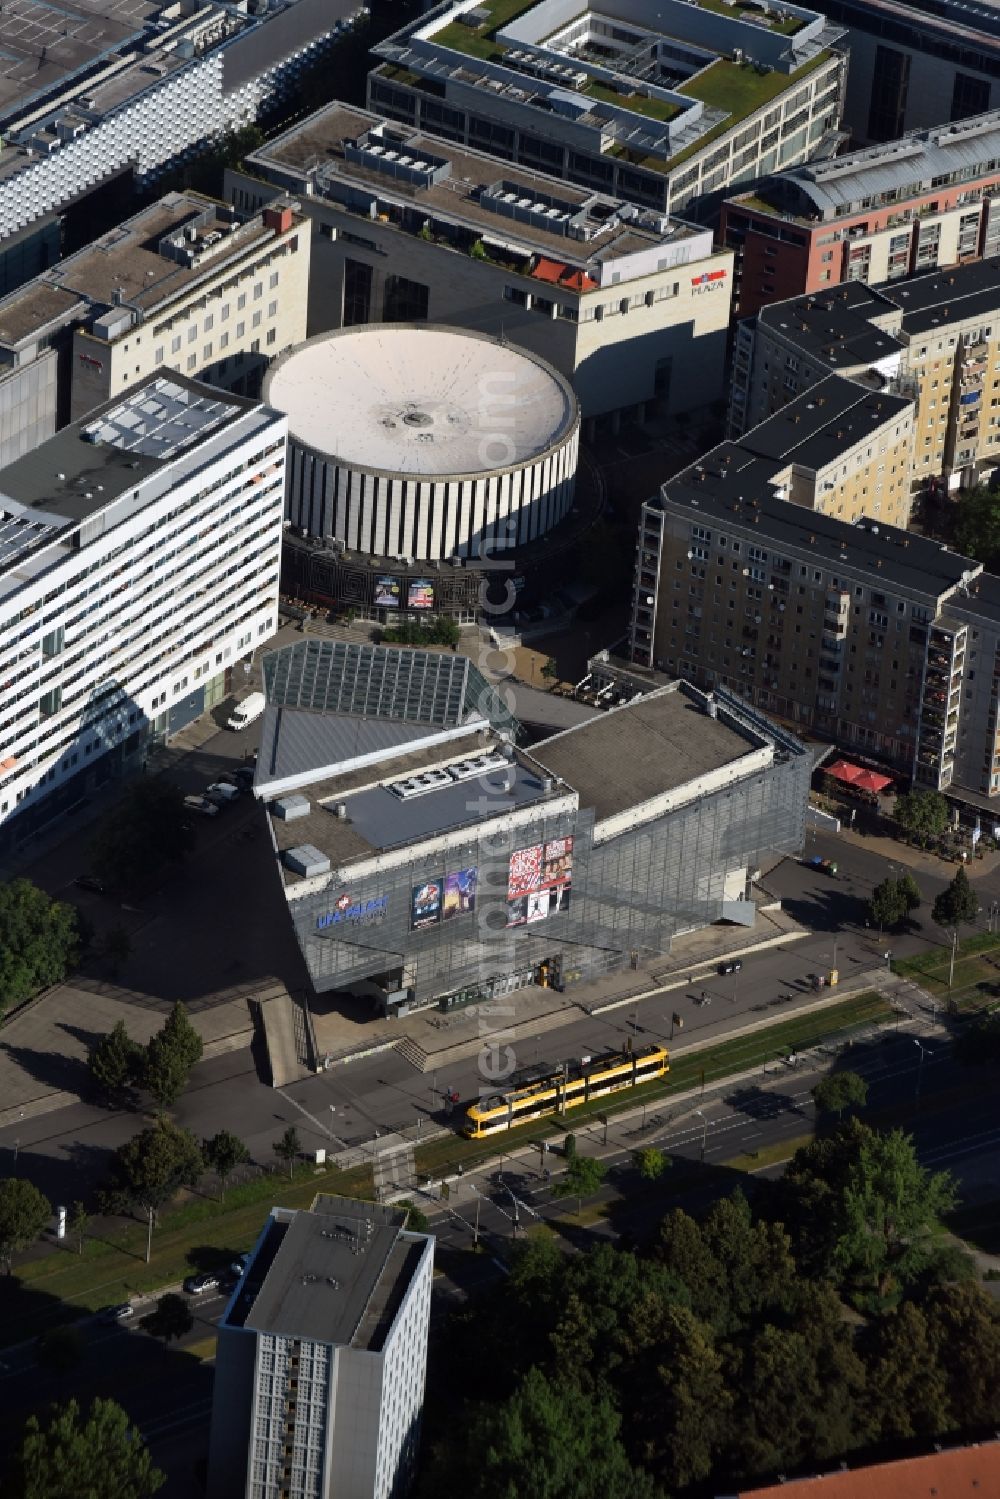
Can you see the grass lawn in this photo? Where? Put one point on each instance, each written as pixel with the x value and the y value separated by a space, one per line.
pixel 736 13
pixel 114 1269
pixel 654 109
pixel 738 89
pixel 977 978
pixel 477 41
pixel 688 1070
pixel 770 1155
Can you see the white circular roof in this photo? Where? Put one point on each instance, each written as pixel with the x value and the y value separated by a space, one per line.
pixel 420 400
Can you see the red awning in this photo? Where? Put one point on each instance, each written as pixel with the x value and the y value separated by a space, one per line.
pixel 561 275
pixel 858 777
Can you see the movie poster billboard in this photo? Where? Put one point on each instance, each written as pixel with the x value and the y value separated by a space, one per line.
pixel 459 893
pixel 387 593
pixel 425 904
pixel 420 594
pixel 539 881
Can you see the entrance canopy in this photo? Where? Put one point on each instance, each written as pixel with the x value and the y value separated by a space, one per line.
pixel 857 777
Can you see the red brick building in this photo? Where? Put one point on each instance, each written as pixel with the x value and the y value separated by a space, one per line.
pixel 930 199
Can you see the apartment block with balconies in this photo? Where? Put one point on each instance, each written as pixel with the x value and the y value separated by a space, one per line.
pixel 881 641
pixel 934 339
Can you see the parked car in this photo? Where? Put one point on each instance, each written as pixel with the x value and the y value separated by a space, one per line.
pixel 197 1285
pixel 825 866
pixel 91 882
pixel 243 776
pixel 120 1313
pixel 239 1265
pixel 221 793
pixel 732 965
pixel 201 805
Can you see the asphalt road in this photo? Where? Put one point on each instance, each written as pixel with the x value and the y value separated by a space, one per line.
pixel 167 1392
pixel 65 1152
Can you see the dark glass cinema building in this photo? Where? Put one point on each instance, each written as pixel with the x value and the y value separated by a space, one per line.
pixel 428 857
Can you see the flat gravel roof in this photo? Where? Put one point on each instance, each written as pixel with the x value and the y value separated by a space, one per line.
pixel 421 400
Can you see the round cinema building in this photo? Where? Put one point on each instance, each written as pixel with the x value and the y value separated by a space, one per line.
pixel 417 449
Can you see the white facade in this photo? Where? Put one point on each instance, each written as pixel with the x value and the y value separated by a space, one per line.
pixel 113 610
pixel 319 1384
pixel 425 442
pixel 151 126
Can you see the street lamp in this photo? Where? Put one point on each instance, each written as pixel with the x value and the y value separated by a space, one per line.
pixel 888 961
pixel 704 1133
pixel 920 1065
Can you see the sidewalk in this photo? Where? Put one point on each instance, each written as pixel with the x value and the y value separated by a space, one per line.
pixel 895 851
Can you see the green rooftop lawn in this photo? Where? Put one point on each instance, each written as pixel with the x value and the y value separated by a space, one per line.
pixel 477 41
pixel 655 109
pixel 740 12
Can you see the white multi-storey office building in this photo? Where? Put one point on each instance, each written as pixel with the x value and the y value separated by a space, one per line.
pixel 319 1374
pixel 139 559
pixel 163 87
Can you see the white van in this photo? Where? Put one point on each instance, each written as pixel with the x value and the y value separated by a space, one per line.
pixel 245 712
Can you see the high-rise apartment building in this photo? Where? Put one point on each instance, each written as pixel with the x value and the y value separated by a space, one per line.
pixel 934 339
pixel 659 105
pixel 182 285
pixel 139 560
pixel 880 640
pixel 630 305
pixel 319 1374
pixel 929 200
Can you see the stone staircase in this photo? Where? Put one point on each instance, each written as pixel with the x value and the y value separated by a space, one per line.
pixel 411 1051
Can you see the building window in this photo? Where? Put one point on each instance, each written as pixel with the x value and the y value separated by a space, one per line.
pixel 405 301
pixel 175 344
pixel 271 335
pixel 209 323
pixel 206 353
pixel 256 319
pixel 273 281
pixel 272 309
pixel 357 292
pixel 258 290
pixel 223 340
pixel 241 301
pixel 192 333
pixel 158 355
pixel 192 361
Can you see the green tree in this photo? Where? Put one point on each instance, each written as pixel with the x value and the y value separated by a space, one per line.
pixel 977 525
pixel 755 1265
pixel 957 902
pixel 911 892
pixel 116 949
pixel 182 1037
pixel 582 1178
pixel 908 1392
pixel 889 1212
pixel 963 1328
pixel 569 1147
pixel 565 1443
pixel 650 1162
pixel 71 1455
pixel 417 1220
pixel 550 670
pixel 39 941
pixel 288 1148
pixel 887 906
pixel 24 1212
pixel 921 814
pixel 58 1350
pixel 170 1056
pixel 223 1153
pixel 116 1062
pixel 839 1091
pixel 170 1318
pixel 681 1246
pixel 79 1222
pixel 142 835
pixel 683 1410
pixel 150 1168
pixel 802 1389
